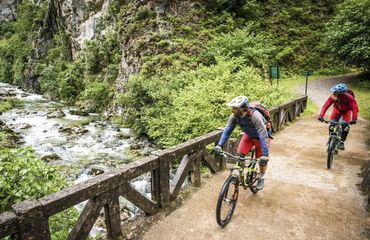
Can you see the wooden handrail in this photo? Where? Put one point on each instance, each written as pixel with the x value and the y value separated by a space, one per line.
pixel 29 219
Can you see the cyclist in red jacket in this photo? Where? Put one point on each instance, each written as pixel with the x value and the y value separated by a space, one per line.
pixel 345 106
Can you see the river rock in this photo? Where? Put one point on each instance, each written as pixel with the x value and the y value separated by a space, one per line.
pixel 21 126
pixel 96 171
pixel 56 114
pixel 5 94
pixel 123 135
pixel 79 112
pixel 51 157
pixel 72 130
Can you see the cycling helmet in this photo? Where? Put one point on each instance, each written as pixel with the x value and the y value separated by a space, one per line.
pixel 239 102
pixel 341 88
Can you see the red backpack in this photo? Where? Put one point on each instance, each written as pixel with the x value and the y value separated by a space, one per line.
pixel 349 91
pixel 262 109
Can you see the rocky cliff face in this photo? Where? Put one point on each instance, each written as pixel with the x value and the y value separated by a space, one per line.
pixel 7 10
pixel 80 18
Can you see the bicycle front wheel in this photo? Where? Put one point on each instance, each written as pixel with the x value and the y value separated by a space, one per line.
pixel 331 150
pixel 227 200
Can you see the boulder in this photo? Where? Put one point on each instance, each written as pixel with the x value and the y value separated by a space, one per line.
pixel 51 157
pixel 56 114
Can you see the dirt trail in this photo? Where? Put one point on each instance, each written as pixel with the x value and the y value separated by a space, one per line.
pixel 301 200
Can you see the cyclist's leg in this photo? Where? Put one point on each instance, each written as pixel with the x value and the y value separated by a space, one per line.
pixel 346 116
pixel 245 145
pixel 262 164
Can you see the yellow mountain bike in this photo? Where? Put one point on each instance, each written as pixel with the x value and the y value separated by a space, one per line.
pixel 245 173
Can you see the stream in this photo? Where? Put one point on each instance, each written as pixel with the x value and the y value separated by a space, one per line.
pixel 80 146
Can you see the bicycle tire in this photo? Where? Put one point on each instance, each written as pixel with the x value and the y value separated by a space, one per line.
pixel 224 201
pixel 252 182
pixel 331 149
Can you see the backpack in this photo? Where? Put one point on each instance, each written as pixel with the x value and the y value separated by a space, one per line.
pixel 349 91
pixel 262 109
pixel 265 113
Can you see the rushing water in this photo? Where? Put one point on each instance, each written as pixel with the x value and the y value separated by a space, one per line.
pixel 73 140
pixel 80 146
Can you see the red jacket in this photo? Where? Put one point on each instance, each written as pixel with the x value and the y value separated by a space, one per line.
pixel 344 103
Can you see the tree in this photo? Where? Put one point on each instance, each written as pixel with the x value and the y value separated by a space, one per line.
pixel 348 33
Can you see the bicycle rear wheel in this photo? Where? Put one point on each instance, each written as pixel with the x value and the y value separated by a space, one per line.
pixel 331 150
pixel 227 200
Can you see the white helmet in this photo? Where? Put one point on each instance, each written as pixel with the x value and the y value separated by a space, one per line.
pixel 239 102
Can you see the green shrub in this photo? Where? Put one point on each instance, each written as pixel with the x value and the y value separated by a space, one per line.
pixel 95 97
pixel 183 108
pixel 348 33
pixel 23 176
pixel 254 49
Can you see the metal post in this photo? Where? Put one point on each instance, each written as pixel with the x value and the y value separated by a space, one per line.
pixel 305 91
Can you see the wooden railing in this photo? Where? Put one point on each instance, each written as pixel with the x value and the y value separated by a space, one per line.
pixel 29 219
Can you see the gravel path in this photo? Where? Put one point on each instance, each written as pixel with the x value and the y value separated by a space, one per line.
pixel 319 90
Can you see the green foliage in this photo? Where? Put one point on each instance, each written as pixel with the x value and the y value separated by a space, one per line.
pixel 348 33
pixel 16 42
pixel 5 106
pixel 253 49
pixel 361 88
pixel 183 108
pixel 95 97
pixel 23 176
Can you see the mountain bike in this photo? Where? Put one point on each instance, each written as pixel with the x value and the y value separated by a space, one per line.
pixel 245 173
pixel 335 138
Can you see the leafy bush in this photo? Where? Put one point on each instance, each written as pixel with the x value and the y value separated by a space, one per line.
pixel 348 34
pixel 183 108
pixel 253 49
pixel 95 97
pixel 23 176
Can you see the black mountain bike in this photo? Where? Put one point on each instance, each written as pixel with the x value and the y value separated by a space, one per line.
pixel 335 138
pixel 245 173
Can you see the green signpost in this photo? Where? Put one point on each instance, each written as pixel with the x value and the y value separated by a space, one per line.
pixel 307 73
pixel 274 73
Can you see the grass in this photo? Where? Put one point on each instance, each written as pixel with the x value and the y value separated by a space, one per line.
pixel 361 88
pixel 289 84
pixel 5 106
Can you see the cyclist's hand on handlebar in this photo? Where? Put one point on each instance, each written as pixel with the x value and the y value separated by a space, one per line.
pixel 217 150
pixel 353 122
pixel 321 119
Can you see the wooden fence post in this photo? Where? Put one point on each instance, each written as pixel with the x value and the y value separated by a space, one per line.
pixel 32 223
pixel 195 174
pixel 164 182
pixel 112 216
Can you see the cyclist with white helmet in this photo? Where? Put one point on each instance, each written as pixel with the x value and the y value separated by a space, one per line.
pixel 345 106
pixel 253 125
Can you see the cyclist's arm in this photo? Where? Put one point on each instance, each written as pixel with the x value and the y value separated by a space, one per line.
pixel 327 104
pixel 230 126
pixel 260 125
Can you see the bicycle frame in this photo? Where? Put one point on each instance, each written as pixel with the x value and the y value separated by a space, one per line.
pixel 336 133
pixel 335 138
pixel 246 169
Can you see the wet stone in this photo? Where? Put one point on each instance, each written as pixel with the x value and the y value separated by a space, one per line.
pixel 96 171
pixel 56 114
pixel 51 157
pixel 79 112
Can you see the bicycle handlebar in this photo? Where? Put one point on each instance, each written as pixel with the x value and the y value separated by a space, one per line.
pixel 334 121
pixel 239 158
